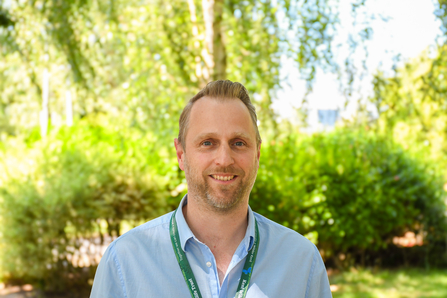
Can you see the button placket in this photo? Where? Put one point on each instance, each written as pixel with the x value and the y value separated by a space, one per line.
pixel 212 274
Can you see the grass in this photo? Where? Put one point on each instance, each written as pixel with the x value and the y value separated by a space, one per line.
pixel 408 283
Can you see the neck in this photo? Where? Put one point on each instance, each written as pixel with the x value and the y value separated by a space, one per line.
pixel 221 232
pixel 217 230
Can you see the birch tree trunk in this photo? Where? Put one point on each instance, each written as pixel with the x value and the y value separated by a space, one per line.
pixel 68 105
pixel 219 53
pixel 202 72
pixel 44 114
pixel 215 54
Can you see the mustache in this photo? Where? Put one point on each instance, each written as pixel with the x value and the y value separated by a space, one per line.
pixel 226 170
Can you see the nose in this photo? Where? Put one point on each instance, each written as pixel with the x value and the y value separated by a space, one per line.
pixel 224 156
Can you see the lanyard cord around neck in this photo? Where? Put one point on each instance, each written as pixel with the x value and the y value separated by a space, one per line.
pixel 189 275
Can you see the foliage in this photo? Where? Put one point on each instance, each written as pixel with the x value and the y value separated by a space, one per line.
pixel 349 191
pixel 412 104
pixel 414 283
pixel 58 191
pixel 129 67
pixel 140 60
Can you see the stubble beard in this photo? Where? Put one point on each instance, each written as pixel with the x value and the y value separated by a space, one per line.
pixel 226 197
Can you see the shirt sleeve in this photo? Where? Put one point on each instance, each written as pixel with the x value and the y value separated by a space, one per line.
pixel 108 282
pixel 318 283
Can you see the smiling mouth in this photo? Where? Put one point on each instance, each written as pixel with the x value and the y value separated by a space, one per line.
pixel 223 178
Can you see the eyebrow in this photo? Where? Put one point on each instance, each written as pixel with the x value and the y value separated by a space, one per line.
pixel 213 134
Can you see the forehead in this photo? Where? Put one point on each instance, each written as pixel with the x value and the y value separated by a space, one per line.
pixel 224 117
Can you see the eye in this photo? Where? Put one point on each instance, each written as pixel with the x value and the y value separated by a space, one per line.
pixel 239 144
pixel 206 143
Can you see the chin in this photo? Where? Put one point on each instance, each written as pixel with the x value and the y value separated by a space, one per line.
pixel 222 203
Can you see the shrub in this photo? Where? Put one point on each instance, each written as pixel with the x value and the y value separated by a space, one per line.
pixel 350 191
pixel 58 191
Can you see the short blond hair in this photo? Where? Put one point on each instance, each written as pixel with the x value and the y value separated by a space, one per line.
pixel 223 90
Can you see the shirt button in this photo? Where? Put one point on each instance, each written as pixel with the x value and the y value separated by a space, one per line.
pixel 208 264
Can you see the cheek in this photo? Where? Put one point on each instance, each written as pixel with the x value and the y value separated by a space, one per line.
pixel 199 162
pixel 248 162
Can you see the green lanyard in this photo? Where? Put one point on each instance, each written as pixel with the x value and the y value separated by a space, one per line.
pixel 189 275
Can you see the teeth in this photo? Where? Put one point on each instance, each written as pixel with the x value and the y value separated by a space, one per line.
pixel 223 178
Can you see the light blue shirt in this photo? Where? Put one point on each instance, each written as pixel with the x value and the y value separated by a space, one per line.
pixel 142 263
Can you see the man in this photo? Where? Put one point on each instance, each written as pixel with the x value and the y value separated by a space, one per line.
pixel 214 245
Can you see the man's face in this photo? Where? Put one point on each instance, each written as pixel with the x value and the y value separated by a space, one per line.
pixel 220 156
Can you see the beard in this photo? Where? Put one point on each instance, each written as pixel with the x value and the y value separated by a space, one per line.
pixel 221 198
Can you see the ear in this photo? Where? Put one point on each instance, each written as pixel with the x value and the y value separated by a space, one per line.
pixel 180 152
pixel 258 153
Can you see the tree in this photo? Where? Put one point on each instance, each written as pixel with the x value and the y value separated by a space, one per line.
pixel 140 60
pixel 412 104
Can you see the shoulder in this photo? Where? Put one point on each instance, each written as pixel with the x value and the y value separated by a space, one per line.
pixel 126 260
pixel 145 234
pixel 275 233
pixel 303 258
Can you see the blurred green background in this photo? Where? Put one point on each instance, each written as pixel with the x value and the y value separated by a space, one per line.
pixel 90 96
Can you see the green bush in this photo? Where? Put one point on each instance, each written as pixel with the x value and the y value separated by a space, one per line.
pixel 348 190
pixel 58 191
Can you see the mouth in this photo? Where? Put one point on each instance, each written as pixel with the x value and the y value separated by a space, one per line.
pixel 224 178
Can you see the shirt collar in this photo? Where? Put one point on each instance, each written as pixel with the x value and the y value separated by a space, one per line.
pixel 185 232
pixel 250 233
